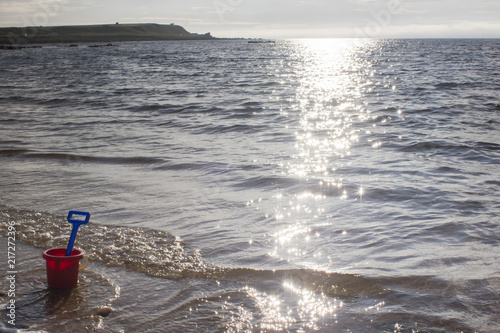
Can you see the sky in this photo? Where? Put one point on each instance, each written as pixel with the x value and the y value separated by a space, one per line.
pixel 273 18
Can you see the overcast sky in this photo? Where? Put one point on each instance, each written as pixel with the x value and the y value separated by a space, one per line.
pixel 273 18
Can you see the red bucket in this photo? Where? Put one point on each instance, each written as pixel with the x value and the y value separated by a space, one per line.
pixel 62 271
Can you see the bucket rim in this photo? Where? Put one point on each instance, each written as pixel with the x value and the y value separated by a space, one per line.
pixel 76 254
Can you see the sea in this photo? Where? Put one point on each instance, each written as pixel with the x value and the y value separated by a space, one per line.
pixel 303 185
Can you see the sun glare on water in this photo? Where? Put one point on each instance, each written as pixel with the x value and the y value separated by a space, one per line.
pixel 333 78
pixel 329 105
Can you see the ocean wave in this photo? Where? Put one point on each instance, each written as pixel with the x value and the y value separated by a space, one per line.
pixel 268 182
pixel 181 166
pixel 434 145
pixel 153 252
pixel 162 255
pixel 239 128
pixel 13 152
pixel 30 154
pixel 155 107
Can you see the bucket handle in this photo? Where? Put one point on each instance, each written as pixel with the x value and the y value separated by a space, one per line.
pixel 85 264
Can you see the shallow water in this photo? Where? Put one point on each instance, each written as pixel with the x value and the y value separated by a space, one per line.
pixel 326 185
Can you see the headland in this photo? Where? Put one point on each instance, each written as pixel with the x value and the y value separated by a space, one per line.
pixel 97 33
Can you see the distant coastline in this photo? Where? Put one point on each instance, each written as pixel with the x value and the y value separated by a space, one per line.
pixel 103 33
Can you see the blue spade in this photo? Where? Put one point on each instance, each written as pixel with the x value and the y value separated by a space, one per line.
pixel 77 219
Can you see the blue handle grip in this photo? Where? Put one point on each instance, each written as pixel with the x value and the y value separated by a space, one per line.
pixel 77 218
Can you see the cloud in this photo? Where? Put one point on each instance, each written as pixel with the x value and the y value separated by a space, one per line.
pixel 31 12
pixel 363 2
pixel 270 18
pixel 15 7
